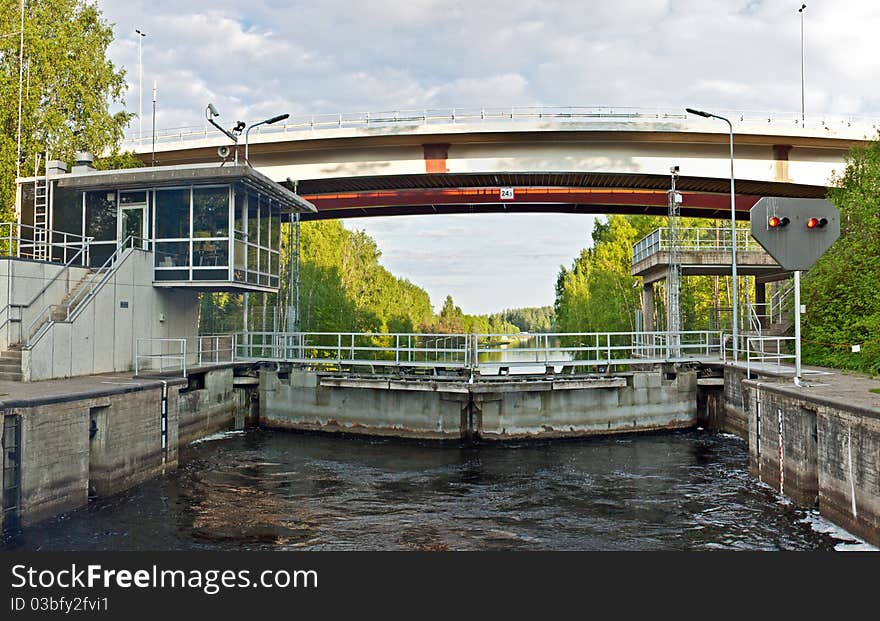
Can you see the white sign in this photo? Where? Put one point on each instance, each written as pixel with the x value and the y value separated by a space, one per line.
pixel 507 194
pixel 856 349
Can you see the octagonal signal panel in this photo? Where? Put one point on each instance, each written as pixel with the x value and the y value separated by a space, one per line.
pixel 795 231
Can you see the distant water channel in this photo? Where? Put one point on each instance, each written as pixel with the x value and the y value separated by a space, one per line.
pixel 282 490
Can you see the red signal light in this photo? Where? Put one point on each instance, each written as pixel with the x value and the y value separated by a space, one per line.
pixel 816 223
pixel 775 222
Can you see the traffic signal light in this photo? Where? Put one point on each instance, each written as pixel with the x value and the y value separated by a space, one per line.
pixel 777 223
pixel 817 223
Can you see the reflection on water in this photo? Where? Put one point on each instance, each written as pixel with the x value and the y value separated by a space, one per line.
pixel 268 490
pixel 519 350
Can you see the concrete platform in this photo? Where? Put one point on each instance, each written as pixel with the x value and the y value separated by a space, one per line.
pixel 21 394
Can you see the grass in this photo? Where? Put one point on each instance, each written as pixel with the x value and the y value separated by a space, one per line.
pixel 876 390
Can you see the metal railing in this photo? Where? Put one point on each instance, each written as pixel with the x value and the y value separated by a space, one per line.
pixel 215 349
pixel 473 351
pixel 693 239
pixel 760 120
pixel 159 355
pixel 779 302
pixel 762 353
pixel 605 349
pixel 86 291
pixel 356 348
pixel 31 242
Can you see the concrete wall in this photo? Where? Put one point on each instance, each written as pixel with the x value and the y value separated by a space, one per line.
pixel 102 338
pixel 63 463
pixel 818 452
pixel 24 281
pixel 208 409
pixel 369 407
pixel 733 409
pixel 487 410
pixel 645 402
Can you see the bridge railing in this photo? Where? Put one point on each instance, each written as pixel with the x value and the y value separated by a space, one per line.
pixel 558 114
pixel 693 239
pixel 476 351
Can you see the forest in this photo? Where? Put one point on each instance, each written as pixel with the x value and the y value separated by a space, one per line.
pixel 344 288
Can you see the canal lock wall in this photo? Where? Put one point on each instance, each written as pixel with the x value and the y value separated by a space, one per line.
pixel 819 452
pixel 486 409
pixel 93 443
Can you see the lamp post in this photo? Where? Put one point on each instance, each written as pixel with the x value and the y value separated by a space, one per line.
pixel 274 119
pixel 141 36
pixel 803 109
pixel 709 115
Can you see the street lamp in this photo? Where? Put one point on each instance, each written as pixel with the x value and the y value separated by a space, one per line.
pixel 709 115
pixel 274 119
pixel 140 83
pixel 803 115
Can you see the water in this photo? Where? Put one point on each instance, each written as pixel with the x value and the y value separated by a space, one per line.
pixel 281 490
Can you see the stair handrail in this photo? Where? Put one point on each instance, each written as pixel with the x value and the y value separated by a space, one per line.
pixel 83 251
pixel 777 300
pixel 754 319
pixel 90 288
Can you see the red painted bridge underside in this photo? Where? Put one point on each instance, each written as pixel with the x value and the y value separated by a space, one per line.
pixel 526 200
pixel 562 192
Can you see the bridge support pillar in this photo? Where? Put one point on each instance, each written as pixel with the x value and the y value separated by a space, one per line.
pixel 648 306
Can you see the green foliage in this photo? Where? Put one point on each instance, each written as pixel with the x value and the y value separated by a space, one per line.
pixel 840 291
pixel 68 86
pixel 597 293
pixel 535 319
pixel 343 288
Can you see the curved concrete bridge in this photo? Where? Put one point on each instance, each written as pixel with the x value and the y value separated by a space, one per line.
pixel 574 160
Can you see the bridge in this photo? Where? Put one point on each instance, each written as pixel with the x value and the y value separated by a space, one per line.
pixel 537 159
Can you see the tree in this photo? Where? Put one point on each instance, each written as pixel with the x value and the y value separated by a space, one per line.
pixel 68 87
pixel 840 291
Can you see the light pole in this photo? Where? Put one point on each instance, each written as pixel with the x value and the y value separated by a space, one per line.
pixel 803 108
pixel 274 119
pixel 709 115
pixel 20 91
pixel 141 36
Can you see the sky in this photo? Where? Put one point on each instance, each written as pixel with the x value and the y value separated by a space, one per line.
pixel 257 58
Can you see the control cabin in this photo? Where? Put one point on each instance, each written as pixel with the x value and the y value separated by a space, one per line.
pixel 211 227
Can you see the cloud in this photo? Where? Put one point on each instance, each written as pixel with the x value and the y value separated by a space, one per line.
pixel 257 58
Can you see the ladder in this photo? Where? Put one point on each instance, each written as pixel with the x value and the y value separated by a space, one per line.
pixel 41 215
pixel 10 442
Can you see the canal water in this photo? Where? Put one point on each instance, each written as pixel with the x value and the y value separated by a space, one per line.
pixel 282 490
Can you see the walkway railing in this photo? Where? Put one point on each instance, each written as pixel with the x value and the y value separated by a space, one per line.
pixel 160 356
pixel 356 348
pixel 693 239
pixel 475 351
pixel 763 353
pixel 787 121
pixel 182 355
